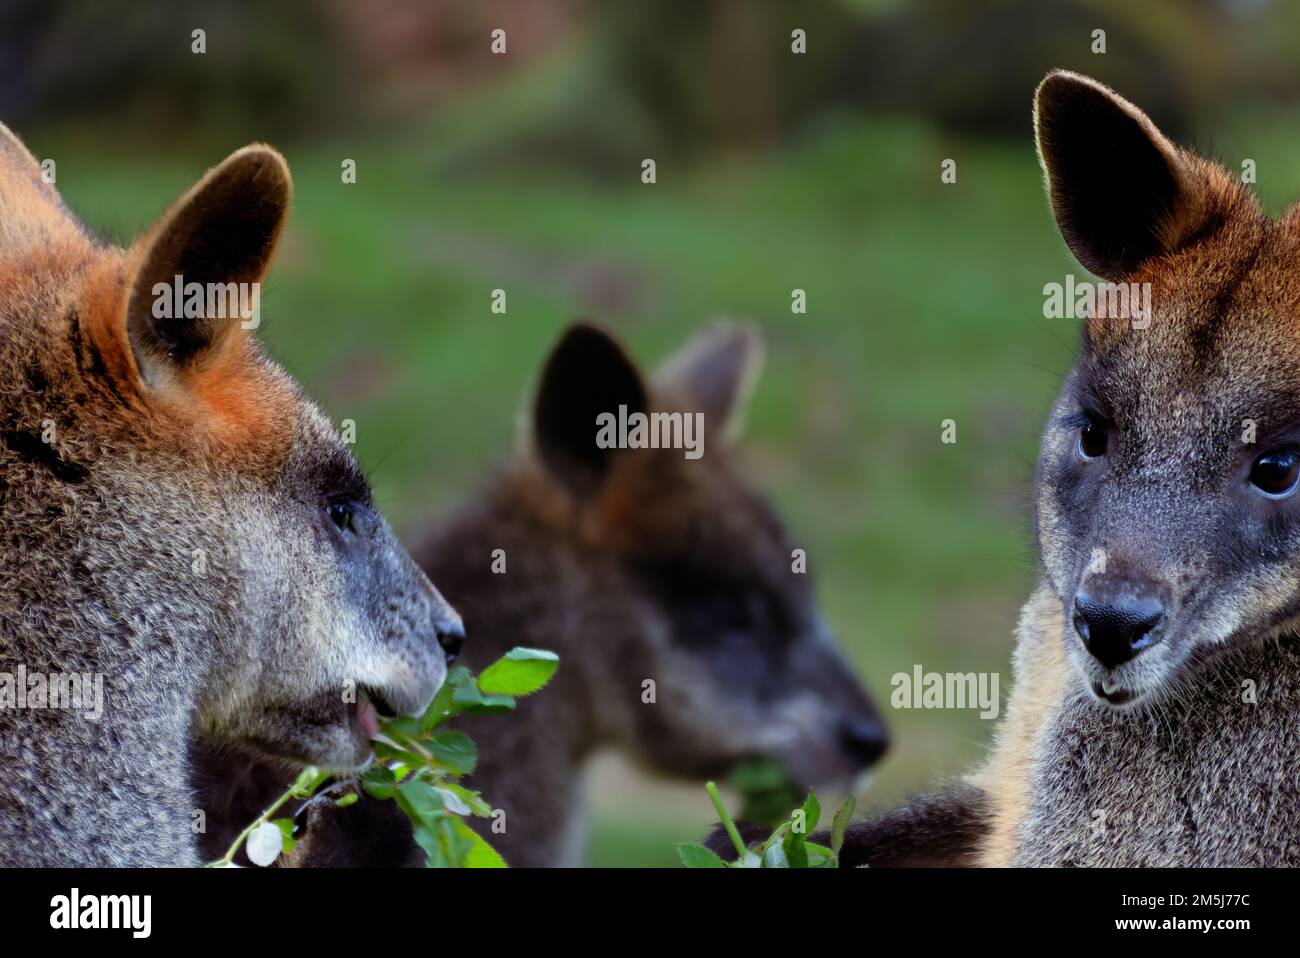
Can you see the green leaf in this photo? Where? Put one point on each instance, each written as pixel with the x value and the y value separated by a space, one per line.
pixel 697 856
pixel 455 839
pixel 757 775
pixel 774 856
pixel 421 801
pixel 454 750
pixel 286 829
pixel 440 709
pixel 840 823
pixel 400 727
pixel 478 854
pixel 470 701
pixel 767 794
pixel 344 801
pixel 427 838
pixel 388 752
pixel 378 775
pixel 471 798
pixel 812 811
pixel 519 672
pixel 379 781
pixel 453 802
pixel 819 856
pixel 793 845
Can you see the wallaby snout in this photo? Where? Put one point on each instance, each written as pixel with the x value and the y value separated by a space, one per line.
pixel 864 739
pixel 451 636
pixel 1116 618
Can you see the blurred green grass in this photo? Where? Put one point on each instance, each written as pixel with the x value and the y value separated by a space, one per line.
pixel 924 303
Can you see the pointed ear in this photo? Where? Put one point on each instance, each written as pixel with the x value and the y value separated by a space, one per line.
pixel 30 208
pixel 715 373
pixel 223 231
pixel 1121 192
pixel 586 374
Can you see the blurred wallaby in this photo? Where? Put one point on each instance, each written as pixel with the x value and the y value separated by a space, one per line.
pixel 666 584
pixel 180 530
pixel 1154 720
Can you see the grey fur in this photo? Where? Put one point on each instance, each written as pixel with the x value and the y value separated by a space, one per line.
pixel 191 564
pixel 1188 753
pixel 689 585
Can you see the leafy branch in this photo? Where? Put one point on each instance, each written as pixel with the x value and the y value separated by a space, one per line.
pixel 420 765
pixel 788 845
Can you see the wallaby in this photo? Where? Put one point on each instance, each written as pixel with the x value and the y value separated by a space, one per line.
pixel 643 566
pixel 180 528
pixel 686 628
pixel 1154 716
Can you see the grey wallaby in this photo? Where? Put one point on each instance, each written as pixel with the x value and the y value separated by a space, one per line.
pixel 189 552
pixel 687 631
pixel 1157 672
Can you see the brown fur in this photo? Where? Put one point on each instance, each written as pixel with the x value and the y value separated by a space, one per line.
pixel 633 565
pixel 1186 751
pixel 669 569
pixel 1222 347
pixel 172 535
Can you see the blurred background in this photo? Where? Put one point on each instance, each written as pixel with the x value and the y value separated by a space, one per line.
pixel 775 171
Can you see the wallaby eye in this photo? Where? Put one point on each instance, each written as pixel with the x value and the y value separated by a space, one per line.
pixel 340 514
pixel 1276 473
pixel 1092 440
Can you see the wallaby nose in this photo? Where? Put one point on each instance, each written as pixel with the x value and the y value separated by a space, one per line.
pixel 451 635
pixel 864 740
pixel 1118 622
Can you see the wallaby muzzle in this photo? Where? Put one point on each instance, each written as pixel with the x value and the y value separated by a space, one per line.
pixel 1118 616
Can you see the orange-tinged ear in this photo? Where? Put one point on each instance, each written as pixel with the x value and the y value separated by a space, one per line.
pixel 31 212
pixel 1121 192
pixel 197 288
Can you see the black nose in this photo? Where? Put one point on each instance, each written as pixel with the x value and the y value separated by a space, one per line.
pixel 1118 623
pixel 451 635
pixel 864 740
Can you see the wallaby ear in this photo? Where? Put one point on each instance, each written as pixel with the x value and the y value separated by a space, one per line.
pixel 30 208
pixel 715 372
pixel 223 231
pixel 586 374
pixel 1121 192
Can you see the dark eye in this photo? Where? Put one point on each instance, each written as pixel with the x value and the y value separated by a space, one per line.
pixel 340 514
pixel 1092 440
pixel 1276 473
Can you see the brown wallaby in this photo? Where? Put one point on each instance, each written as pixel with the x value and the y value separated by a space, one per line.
pixel 188 550
pixel 643 566
pixel 686 628
pixel 1157 670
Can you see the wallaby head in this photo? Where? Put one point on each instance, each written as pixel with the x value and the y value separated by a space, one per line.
pixel 174 513
pixel 687 639
pixel 1166 511
pixel 674 595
